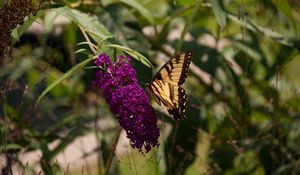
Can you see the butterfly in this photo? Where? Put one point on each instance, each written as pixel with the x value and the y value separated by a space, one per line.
pixel 166 84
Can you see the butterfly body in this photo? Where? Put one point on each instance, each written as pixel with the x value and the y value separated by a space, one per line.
pixel 166 84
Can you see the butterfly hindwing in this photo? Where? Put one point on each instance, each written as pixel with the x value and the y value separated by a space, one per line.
pixel 172 96
pixel 162 92
pixel 165 85
pixel 179 107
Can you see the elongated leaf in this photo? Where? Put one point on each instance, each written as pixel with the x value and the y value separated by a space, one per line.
pixel 49 19
pixel 93 27
pixel 285 8
pixel 251 25
pixel 83 51
pixel 18 31
pixel 11 146
pixel 132 53
pixel 248 50
pixel 85 43
pixel 66 75
pixel 187 25
pixel 219 13
pixel 143 11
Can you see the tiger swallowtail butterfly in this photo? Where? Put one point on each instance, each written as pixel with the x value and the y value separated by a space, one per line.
pixel 166 84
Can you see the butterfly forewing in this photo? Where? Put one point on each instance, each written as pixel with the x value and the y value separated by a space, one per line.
pixel 165 85
pixel 176 69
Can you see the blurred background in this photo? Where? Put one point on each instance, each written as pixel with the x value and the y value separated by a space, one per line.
pixel 243 91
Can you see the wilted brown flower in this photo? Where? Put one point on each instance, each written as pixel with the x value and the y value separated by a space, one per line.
pixel 12 14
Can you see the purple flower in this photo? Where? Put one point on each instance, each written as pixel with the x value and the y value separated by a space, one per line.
pixel 128 100
pixel 102 60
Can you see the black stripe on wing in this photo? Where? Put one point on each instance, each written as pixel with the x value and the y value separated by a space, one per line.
pixel 185 67
pixel 176 69
pixel 179 105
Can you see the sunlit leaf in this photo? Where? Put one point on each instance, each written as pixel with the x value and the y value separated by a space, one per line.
pixel 49 19
pixel 251 25
pixel 141 9
pixel 21 29
pixel 285 8
pixel 93 27
pixel 219 13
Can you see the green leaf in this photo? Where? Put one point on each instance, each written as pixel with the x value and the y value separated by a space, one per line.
pixel 49 19
pixel 65 76
pixel 249 51
pixel 18 31
pixel 285 8
pixel 11 146
pixel 188 25
pixel 91 67
pixel 251 25
pixel 132 53
pixel 93 27
pixel 141 9
pixel 85 43
pixel 83 51
pixel 219 13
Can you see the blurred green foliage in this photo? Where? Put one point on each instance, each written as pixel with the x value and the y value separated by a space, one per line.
pixel 243 113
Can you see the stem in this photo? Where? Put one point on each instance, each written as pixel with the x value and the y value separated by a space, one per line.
pixel 100 153
pixel 88 40
pixel 111 154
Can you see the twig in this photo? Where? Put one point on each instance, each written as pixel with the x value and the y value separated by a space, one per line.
pixel 111 154
pixel 100 153
pixel 88 40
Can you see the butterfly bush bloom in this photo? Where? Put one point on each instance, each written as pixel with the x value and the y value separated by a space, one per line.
pixel 128 100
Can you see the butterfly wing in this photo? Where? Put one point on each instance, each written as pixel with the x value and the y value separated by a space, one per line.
pixel 175 70
pixel 166 84
pixel 172 96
